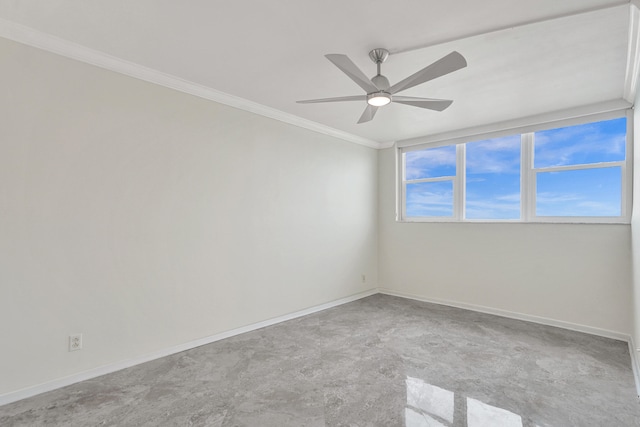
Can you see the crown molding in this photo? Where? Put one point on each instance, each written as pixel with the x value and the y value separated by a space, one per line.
pixel 633 53
pixel 34 38
pixel 388 144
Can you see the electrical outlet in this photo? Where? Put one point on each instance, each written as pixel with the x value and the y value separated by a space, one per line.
pixel 75 342
pixel 364 278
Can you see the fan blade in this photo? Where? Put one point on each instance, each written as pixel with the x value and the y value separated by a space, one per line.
pixel 369 114
pixel 431 104
pixel 339 99
pixel 445 65
pixel 350 69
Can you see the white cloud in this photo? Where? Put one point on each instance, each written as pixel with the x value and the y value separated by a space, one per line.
pixel 500 155
pixel 476 179
pixel 550 197
pixel 514 197
pixel 503 207
pixel 571 204
pixel 421 164
pixel 506 143
pixel 571 145
pixel 430 203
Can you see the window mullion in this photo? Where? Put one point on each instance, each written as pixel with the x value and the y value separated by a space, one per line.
pixel 581 166
pixel 627 175
pixel 437 179
pixel 527 178
pixel 460 183
pixel 401 187
pixel 403 211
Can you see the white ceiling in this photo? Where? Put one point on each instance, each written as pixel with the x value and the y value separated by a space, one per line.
pixel 525 57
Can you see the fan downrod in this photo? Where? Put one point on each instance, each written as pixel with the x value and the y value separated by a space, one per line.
pixel 378 56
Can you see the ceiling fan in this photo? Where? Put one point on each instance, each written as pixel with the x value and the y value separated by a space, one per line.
pixel 381 93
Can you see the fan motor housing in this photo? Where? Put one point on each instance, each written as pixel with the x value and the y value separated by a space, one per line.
pixel 380 81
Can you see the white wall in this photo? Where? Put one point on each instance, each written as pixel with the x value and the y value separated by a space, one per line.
pixel 578 274
pixel 145 218
pixel 635 229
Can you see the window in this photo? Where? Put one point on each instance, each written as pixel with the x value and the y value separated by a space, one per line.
pixel 578 170
pixel 430 176
pixel 492 189
pixel 575 173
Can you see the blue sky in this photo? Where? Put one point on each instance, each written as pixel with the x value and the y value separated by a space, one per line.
pixel 493 174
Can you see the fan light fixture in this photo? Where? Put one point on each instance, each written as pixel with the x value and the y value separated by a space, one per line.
pixel 378 99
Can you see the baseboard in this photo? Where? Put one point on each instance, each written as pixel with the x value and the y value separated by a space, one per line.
pixel 633 351
pixel 513 315
pixel 117 366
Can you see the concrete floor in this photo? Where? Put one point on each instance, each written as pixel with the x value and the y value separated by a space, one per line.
pixel 379 361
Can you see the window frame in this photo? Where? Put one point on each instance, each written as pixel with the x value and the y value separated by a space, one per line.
pixel 455 179
pixel 528 174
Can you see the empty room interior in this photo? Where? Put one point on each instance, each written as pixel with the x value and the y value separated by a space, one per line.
pixel 307 213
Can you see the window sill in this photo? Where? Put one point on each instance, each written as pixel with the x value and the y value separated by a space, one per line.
pixel 577 221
